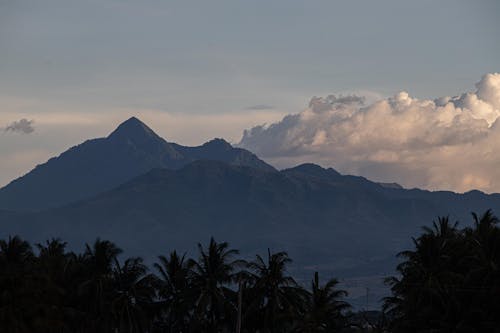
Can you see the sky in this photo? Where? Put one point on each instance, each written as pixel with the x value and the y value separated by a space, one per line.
pixel 194 70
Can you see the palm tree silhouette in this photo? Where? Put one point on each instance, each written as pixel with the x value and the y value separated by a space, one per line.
pixel 211 276
pixel 16 278
pixel 53 265
pixel 133 296
pixel 450 282
pixel 324 308
pixel 175 291
pixel 97 287
pixel 276 295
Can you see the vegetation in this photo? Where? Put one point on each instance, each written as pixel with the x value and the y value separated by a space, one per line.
pixel 53 290
pixel 450 282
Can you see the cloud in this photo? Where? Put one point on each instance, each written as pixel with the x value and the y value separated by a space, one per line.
pixel 24 126
pixel 446 143
pixel 260 107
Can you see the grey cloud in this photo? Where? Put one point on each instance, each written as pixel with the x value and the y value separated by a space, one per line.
pixel 23 126
pixel 319 104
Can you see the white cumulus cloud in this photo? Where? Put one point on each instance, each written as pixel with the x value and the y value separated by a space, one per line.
pixel 450 143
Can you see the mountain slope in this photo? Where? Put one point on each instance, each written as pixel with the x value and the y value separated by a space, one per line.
pixel 341 224
pixel 100 164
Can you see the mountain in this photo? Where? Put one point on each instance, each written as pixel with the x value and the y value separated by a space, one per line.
pixel 341 225
pixel 101 164
pixel 151 196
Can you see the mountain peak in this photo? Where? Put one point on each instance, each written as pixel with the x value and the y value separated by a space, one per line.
pixel 133 129
pixel 309 167
pixel 218 143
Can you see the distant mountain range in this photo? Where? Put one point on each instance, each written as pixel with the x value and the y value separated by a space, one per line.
pixel 151 196
pixel 100 164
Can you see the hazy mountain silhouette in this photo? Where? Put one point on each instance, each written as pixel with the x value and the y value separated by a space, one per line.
pixel 151 196
pixel 100 164
pixel 345 224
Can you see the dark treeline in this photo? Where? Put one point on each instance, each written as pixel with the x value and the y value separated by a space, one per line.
pixel 450 282
pixel 94 291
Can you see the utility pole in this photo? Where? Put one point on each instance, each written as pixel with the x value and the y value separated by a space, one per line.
pixel 240 301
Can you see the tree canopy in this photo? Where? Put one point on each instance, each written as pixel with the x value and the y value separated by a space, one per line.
pixel 448 282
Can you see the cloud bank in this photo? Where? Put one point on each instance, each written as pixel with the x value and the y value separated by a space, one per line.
pixel 23 126
pixel 450 143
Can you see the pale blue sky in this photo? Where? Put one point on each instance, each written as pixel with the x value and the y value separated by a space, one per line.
pixel 208 56
pixel 201 58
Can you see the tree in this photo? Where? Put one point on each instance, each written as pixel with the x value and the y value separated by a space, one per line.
pixel 211 276
pixel 175 291
pixel 56 291
pixel 482 274
pixel 324 308
pixel 16 281
pixel 277 298
pixel 449 282
pixel 52 267
pixel 97 286
pixel 133 296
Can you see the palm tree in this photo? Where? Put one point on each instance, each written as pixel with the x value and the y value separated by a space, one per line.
pixel 449 282
pixel 277 298
pixel 52 267
pixel 133 296
pixel 97 286
pixel 15 253
pixel 174 290
pixel 324 308
pixel 211 276
pixel 423 291
pixel 483 273
pixel 17 286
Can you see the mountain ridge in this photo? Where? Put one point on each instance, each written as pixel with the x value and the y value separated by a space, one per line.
pixel 319 221
pixel 97 165
pixel 339 225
